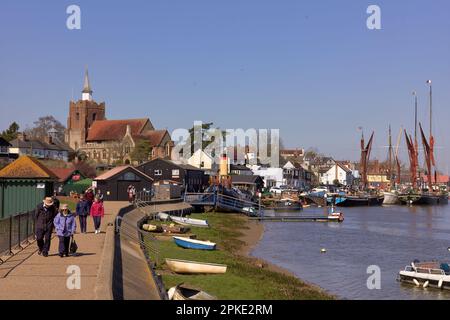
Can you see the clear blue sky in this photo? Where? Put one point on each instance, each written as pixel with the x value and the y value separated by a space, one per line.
pixel 310 68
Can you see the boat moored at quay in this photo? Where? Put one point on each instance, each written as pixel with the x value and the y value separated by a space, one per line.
pixel 424 274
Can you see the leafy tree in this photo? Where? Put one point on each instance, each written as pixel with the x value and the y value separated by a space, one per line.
pixel 43 125
pixel 11 133
pixel 141 151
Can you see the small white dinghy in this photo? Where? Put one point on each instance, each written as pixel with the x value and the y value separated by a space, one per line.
pixel 183 293
pixel 194 267
pixel 190 222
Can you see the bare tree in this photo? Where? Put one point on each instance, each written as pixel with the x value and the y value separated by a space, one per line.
pixel 43 125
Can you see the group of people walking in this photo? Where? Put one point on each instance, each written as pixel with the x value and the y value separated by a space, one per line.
pixel 51 215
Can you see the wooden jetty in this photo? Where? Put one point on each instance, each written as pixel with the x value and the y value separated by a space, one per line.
pixel 299 218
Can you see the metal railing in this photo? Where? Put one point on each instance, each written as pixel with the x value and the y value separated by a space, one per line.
pixel 15 233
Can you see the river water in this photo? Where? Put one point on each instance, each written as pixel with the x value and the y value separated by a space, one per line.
pixel 388 237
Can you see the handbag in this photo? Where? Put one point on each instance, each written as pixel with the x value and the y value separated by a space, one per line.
pixel 73 246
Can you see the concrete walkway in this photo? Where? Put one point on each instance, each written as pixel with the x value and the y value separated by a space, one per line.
pixel 28 276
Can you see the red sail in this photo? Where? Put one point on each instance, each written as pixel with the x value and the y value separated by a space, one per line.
pixel 428 156
pixel 412 159
pixel 365 155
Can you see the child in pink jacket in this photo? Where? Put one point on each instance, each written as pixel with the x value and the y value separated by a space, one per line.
pixel 97 213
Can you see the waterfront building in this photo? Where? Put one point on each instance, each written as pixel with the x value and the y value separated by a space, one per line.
pixel 273 177
pixel 114 183
pixel 295 176
pixel 338 172
pixel 250 183
pixel 200 159
pixel 110 141
pixel 191 178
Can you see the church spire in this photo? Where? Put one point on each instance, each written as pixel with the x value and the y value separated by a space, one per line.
pixel 87 91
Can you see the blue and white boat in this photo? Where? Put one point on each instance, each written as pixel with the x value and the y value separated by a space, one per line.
pixel 194 244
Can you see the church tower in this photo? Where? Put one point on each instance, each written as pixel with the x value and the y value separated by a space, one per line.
pixel 81 116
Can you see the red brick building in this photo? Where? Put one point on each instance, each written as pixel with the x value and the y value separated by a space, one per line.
pixel 110 141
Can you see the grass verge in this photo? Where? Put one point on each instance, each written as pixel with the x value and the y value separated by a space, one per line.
pixel 244 279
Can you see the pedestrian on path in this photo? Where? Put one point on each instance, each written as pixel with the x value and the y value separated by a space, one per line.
pixel 131 190
pixel 43 220
pixel 89 196
pixel 82 211
pixel 97 213
pixel 99 195
pixel 65 225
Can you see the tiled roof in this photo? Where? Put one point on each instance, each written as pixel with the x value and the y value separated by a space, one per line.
pixel 109 130
pixel 117 170
pixel 63 173
pixel 155 137
pixel 27 168
pixel 245 179
pixel 38 144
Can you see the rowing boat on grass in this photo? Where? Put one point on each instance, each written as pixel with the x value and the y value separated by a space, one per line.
pixel 194 267
pixel 194 244
pixel 190 222
pixel 172 228
pixel 182 293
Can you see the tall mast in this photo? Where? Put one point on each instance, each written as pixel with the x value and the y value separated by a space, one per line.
pixel 416 143
pixel 390 156
pixel 431 107
pixel 415 117
pixel 431 141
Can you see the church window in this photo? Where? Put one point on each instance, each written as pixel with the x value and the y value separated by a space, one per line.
pixel 104 155
pixel 77 116
pixel 127 149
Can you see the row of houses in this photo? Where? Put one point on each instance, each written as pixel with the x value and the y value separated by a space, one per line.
pixel 49 149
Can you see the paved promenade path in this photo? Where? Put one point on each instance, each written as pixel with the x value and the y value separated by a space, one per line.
pixel 29 276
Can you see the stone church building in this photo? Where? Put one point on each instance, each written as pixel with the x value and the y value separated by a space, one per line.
pixel 110 141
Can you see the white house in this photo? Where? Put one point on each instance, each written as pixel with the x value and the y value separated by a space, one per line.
pixel 273 177
pixel 200 159
pixel 337 172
